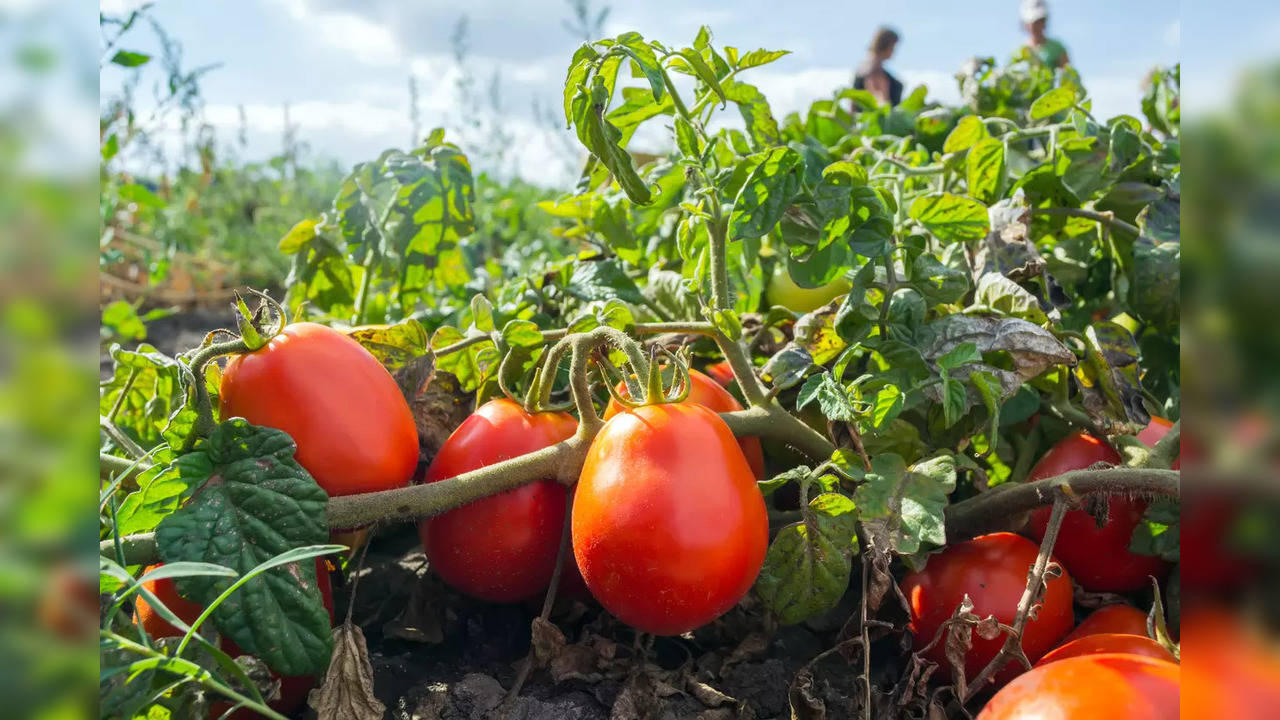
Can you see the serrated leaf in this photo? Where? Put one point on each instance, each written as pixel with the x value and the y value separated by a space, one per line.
pixel 1052 102
pixel 765 194
pixel 602 279
pixel 807 567
pixel 393 345
pixel 967 132
pixel 797 473
pixel 907 503
pixel 521 333
pixel 831 396
pixel 252 503
pixel 951 218
pixel 985 169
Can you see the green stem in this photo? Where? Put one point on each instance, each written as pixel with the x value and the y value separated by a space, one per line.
pixel 1106 218
pixel 124 392
pixel 205 423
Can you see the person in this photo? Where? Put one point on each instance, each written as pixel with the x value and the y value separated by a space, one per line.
pixel 1035 17
pixel 871 75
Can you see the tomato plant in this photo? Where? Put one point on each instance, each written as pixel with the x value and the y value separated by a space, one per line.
pixel 352 425
pixel 1107 687
pixel 669 530
pixel 500 548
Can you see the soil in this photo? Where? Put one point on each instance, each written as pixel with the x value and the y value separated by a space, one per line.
pixel 437 655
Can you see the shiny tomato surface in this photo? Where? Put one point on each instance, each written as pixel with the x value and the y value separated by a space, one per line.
pixel 1097 557
pixel 1124 619
pixel 992 571
pixel 722 373
pixel 1097 644
pixel 501 548
pixel 1091 687
pixel 354 430
pixel 669 527
pixel 710 394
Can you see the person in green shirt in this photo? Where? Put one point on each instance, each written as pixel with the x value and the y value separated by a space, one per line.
pixel 1035 17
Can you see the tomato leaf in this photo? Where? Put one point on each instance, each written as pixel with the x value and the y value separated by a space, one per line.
pixel 766 193
pixel 951 218
pixel 252 502
pixel 1052 102
pixel 906 504
pixel 985 169
pixel 967 132
pixel 393 345
pixel 807 567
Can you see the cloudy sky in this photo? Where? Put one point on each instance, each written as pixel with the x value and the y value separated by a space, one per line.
pixel 344 65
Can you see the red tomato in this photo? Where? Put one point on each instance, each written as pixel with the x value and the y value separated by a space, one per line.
pixel 1097 557
pixel 293 689
pixel 669 527
pixel 1108 643
pixel 1093 687
pixel 992 571
pixel 1232 670
pixel 501 548
pixel 1209 563
pixel 1124 619
pixel 354 430
pixel 708 393
pixel 721 373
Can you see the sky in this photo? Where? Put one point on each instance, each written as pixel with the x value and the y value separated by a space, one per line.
pixel 343 66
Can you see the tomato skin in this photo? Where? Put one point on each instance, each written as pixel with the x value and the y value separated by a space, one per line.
pixel 500 548
pixel 669 527
pixel 722 373
pixel 354 430
pixel 784 291
pixel 1124 619
pixel 992 571
pixel 1108 643
pixel 1098 687
pixel 708 393
pixel 1097 557
pixel 166 591
pixel 1232 669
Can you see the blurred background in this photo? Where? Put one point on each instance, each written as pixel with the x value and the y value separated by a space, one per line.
pixel 262 105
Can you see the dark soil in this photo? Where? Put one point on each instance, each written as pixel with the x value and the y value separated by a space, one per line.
pixel 437 655
pixel 177 333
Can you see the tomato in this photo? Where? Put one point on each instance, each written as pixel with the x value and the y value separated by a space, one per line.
pixel 708 393
pixel 1231 670
pixel 500 548
pixel 722 373
pixel 293 689
pixel 1124 619
pixel 1108 643
pixel 1097 557
pixel 1097 687
pixel 784 291
pixel 354 430
pixel 669 527
pixel 992 571
pixel 1209 562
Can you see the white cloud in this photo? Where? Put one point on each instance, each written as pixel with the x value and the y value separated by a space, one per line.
pixel 368 42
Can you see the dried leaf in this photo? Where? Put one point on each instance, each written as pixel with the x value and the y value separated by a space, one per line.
pixel 707 695
pixel 436 400
pixel 638 700
pixel 805 704
pixel 347 690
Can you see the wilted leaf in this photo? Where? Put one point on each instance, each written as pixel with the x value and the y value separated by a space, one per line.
pixel 907 503
pixel 807 567
pixel 347 690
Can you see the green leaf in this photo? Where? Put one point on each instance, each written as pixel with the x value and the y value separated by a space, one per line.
pixel 965 134
pixel 579 67
pixel 121 319
pixel 962 354
pixel 886 406
pixel 951 218
pixel 762 128
pixel 522 333
pixel 830 395
pixel 807 567
pixel 936 281
pixel 1157 534
pixel 298 236
pixel 603 139
pixel 602 279
pixel 1053 102
pixel 999 293
pixel 471 365
pixel 756 58
pixel 907 504
pixel 767 487
pixel 252 503
pixel 393 345
pixel 129 58
pixel 704 72
pixel 110 147
pixel 985 169
pixel 764 197
pixel 633 45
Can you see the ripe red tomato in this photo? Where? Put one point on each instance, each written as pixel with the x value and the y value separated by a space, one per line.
pixel 501 548
pixel 1098 687
pixel 992 571
pixel 669 527
pixel 1108 643
pixel 354 430
pixel 1124 619
pixel 1231 667
pixel 1097 557
pixel 293 689
pixel 708 393
pixel 722 373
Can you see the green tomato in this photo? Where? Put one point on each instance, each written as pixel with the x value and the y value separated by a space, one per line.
pixel 784 291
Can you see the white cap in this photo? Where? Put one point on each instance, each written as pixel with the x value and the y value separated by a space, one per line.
pixel 1033 10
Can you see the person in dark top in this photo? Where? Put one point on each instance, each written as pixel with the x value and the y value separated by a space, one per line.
pixel 871 75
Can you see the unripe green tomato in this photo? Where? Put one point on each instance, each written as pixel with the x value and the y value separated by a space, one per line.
pixel 784 291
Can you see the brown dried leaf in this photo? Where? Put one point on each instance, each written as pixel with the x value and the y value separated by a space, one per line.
pixel 805 704
pixel 436 401
pixel 707 695
pixel 752 646
pixel 418 622
pixel 347 690
pixel 639 700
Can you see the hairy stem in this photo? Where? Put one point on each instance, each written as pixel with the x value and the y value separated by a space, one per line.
pixel 1102 217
